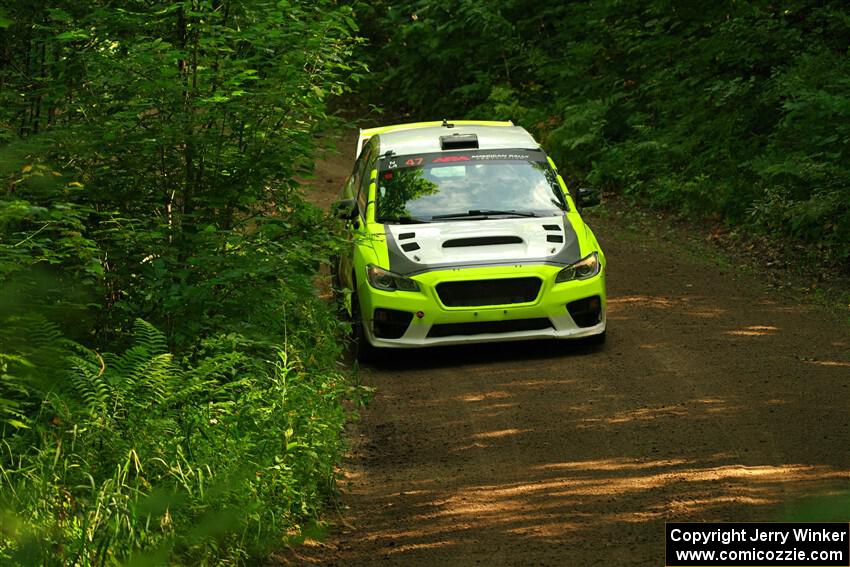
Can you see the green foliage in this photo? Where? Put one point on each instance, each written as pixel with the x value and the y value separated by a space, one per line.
pixel 734 109
pixel 168 382
pixel 134 454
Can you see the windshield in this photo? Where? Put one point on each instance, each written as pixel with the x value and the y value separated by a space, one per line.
pixel 477 184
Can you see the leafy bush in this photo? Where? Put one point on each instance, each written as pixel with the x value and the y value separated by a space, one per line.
pixel 137 454
pixel 738 110
pixel 169 389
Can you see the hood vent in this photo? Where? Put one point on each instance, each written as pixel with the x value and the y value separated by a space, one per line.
pixel 482 241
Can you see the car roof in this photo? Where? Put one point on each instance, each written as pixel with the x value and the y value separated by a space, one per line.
pixel 424 137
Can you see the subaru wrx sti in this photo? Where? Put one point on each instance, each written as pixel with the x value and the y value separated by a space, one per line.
pixel 464 232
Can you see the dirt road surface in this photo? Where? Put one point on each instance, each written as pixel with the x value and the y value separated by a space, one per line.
pixel 715 399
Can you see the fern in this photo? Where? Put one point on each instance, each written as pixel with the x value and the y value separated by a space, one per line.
pixel 11 387
pixel 86 371
pixel 32 347
pixel 149 337
pixel 143 378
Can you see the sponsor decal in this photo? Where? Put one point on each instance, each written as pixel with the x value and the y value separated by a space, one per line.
pixel 470 156
pixel 501 156
pixel 449 159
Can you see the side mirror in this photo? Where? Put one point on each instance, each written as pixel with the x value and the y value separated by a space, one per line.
pixel 588 197
pixel 345 209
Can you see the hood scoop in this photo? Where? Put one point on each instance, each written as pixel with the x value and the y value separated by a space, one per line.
pixel 481 241
pixel 493 242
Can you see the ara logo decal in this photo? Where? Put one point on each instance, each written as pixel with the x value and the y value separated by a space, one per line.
pixel 448 159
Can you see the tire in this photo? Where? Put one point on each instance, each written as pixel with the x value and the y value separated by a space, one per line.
pixel 336 288
pixel 335 281
pixel 364 352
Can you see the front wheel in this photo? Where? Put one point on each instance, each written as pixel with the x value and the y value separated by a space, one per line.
pixel 363 349
pixel 336 282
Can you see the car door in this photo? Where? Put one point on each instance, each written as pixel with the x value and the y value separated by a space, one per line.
pixel 355 186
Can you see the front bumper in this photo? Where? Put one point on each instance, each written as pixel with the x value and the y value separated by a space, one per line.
pixel 550 304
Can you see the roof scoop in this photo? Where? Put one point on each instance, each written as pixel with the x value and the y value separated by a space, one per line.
pixel 459 142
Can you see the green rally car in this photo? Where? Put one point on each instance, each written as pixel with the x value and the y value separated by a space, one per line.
pixel 463 232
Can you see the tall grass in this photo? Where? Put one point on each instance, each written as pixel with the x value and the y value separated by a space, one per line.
pixel 136 458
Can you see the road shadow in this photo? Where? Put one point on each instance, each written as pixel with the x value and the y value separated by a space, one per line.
pixel 454 355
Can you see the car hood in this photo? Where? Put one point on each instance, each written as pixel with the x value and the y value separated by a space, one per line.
pixel 417 248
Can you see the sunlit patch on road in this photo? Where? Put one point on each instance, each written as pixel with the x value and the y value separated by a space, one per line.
pixel 832 363
pixel 498 434
pixel 753 331
pixel 484 396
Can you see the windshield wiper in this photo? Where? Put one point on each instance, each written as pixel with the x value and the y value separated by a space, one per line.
pixel 404 220
pixel 484 213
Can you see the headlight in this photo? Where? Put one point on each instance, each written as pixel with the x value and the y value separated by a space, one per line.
pixel 585 268
pixel 380 278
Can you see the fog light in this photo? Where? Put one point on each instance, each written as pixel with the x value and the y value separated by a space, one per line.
pixel 390 323
pixel 586 312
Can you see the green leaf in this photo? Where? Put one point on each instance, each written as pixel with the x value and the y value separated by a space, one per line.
pixel 75 35
pixel 17 424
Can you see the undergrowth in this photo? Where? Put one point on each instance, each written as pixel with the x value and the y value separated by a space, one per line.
pixel 169 387
pixel 137 457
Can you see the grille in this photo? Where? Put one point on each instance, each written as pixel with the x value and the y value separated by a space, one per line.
pixel 488 292
pixel 515 325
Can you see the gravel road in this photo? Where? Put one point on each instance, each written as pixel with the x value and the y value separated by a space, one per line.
pixel 715 399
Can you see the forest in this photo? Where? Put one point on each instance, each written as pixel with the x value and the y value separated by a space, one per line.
pixel 170 385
